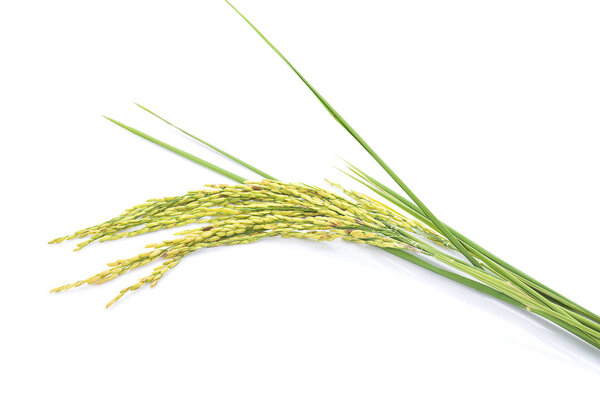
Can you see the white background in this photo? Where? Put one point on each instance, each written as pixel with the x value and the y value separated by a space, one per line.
pixel 488 110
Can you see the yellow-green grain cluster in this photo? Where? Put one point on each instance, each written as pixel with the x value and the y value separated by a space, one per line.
pixel 244 213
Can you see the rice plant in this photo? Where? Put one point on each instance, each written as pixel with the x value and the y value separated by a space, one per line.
pixel 248 211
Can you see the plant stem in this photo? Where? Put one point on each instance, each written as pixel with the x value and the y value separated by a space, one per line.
pixel 479 251
pixel 455 277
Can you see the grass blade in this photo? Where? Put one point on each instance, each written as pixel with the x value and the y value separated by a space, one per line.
pixel 213 147
pixel 180 152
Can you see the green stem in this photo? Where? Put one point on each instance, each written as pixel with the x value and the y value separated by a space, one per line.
pixel 531 304
pixel 577 332
pixel 517 288
pixel 409 207
pixel 493 293
pixel 455 277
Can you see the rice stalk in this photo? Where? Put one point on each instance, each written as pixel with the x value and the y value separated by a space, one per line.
pixel 250 211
